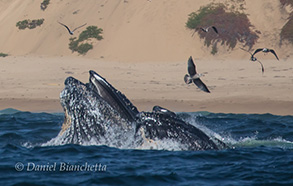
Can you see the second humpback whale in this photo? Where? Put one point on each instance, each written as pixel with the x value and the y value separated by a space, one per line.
pixel 97 113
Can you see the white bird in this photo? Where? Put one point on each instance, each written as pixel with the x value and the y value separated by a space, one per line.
pixel 71 32
pixel 194 76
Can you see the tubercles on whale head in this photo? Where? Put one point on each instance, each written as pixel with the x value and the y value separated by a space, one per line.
pixel 97 113
pixel 67 122
pixel 71 80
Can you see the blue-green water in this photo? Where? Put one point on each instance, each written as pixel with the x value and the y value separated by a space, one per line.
pixel 260 153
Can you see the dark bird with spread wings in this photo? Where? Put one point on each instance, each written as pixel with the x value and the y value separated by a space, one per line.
pixel 71 32
pixel 206 29
pixel 252 58
pixel 265 50
pixel 194 77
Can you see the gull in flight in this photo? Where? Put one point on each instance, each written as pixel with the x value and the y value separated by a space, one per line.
pixel 206 30
pixel 194 77
pixel 71 32
pixel 252 58
pixel 265 50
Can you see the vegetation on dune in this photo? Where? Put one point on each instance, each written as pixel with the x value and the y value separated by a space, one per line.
pixel 84 48
pixel 3 55
pixel 22 24
pixel 73 44
pixel 31 24
pixel 78 45
pixel 287 29
pixel 45 4
pixel 286 2
pixel 232 26
pixel 91 32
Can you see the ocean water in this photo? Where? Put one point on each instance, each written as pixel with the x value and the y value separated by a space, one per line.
pixel 260 153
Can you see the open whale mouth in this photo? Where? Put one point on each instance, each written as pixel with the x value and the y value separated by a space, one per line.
pixel 94 111
pixel 97 112
pixel 112 96
pixel 97 89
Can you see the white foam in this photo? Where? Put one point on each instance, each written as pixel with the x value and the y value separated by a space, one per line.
pixel 213 135
pixel 254 142
pixel 28 145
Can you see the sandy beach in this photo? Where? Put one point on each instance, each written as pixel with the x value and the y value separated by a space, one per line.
pixel 143 54
pixel 34 84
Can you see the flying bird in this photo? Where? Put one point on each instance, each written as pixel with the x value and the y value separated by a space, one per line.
pixel 194 77
pixel 71 32
pixel 207 29
pixel 266 50
pixel 252 58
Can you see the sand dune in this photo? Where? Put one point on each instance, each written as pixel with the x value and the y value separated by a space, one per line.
pixel 144 53
pixel 135 31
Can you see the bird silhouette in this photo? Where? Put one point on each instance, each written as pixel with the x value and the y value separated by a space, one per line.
pixel 252 58
pixel 206 29
pixel 266 50
pixel 71 32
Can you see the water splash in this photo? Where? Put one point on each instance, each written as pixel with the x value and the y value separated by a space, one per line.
pixel 129 143
pixel 251 142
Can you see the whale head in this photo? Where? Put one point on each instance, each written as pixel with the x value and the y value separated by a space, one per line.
pixel 98 114
pixel 94 111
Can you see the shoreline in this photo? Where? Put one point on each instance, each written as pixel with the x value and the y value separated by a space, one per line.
pixel 226 106
pixel 237 86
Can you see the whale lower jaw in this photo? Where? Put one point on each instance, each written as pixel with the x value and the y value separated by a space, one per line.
pixel 114 97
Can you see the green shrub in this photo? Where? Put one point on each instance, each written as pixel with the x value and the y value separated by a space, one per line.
pixel 3 55
pixel 35 23
pixel 39 22
pixel 232 26
pixel 22 24
pixel 287 30
pixel 84 48
pixel 73 44
pixel 90 32
pixel 196 18
pixel 29 23
pixel 45 4
pixel 286 2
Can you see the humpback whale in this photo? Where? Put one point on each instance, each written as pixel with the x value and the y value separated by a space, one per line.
pixel 97 113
